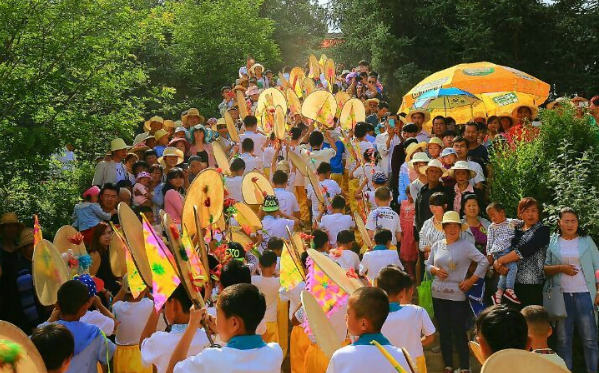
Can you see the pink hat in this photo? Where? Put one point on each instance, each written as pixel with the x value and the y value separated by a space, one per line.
pixel 252 91
pixel 91 192
pixel 143 174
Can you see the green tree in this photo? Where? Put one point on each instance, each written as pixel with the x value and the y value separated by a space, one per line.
pixel 299 27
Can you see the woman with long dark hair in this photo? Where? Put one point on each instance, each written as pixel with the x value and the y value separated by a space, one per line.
pixel 174 194
pixel 99 252
pixel 572 261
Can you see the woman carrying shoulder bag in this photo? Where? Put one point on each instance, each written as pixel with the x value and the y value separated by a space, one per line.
pixel 572 260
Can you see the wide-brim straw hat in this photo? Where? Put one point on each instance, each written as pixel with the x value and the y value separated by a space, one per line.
pixel 451 217
pixel 533 110
pixel 520 361
pixel 254 67
pixel 413 148
pixel 560 101
pixel 420 157
pixel 174 141
pixel 118 144
pixel 172 152
pixel 461 165
pixel 321 326
pixel 10 218
pixel 169 124
pixel 160 134
pixel 435 163
pixel 29 359
pixel 155 119
pixel 435 140
pixel 26 237
pixel 207 194
pixel 192 112
pixel 426 113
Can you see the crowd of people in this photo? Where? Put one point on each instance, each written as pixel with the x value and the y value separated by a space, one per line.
pixel 405 204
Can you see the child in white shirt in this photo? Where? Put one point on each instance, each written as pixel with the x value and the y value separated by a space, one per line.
pixel 233 182
pixel 287 200
pixel 336 221
pixel 344 255
pixel 239 310
pixel 368 168
pixel 252 162
pixel 157 347
pixel 132 315
pixel 275 222
pixel 383 217
pixel 367 311
pixel 329 188
pixel 380 256
pixel 269 285
pixel 407 325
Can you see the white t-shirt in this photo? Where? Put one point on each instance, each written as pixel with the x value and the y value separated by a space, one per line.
pixel 369 197
pixel 269 286
pixel 252 163
pixel 347 260
pixel 319 156
pixel 287 201
pixel 360 149
pixel 259 140
pixel 383 217
pixel 267 359
pixel 275 227
pixel 335 223
pixel 571 256
pixel 158 348
pixel 267 156
pixel 365 358
pixel 332 189
pixel 104 323
pixel 233 185
pixel 375 260
pixel 386 153
pixel 132 317
pixel 293 296
pixel 406 327
pixel 480 176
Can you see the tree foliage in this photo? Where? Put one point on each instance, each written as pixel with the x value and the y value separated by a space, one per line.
pixel 559 168
pixel 555 41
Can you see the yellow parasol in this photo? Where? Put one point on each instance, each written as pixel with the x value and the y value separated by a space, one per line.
pixel 284 81
pixel 321 107
pixel 280 127
pixel 296 77
pixel 207 192
pixel 329 73
pixel 314 67
pixel 309 86
pixel 241 104
pixel 49 272
pixel 221 158
pixel 271 98
pixel 293 101
pixel 320 325
pixel 341 97
pixel 231 128
pixel 481 78
pixel 352 113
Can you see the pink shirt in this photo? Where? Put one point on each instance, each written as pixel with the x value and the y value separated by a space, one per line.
pixel 457 201
pixel 173 205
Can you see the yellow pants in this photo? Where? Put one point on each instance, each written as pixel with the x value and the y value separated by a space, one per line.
pixel 127 359
pixel 272 333
pixel 283 324
pixel 302 200
pixel 267 172
pixel 338 178
pixel 298 349
pixel 353 185
pixel 421 364
pixel 316 360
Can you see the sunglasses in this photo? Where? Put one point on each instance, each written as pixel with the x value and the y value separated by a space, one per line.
pixel 221 126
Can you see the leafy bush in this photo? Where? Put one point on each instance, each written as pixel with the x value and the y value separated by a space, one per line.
pixel 559 168
pixel 52 199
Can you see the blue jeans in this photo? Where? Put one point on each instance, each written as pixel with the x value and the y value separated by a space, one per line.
pixel 579 307
pixel 507 281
